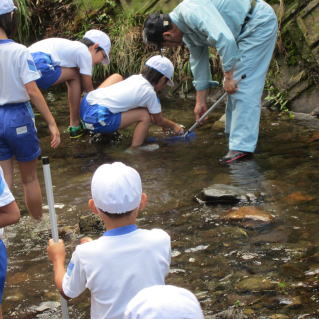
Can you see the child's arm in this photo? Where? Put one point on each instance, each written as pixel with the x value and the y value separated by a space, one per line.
pixel 86 82
pixel 39 102
pixel 162 121
pixel 9 214
pixel 56 253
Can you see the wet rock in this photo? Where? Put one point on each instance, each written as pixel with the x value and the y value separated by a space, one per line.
pixel 232 313
pixel 278 316
pixel 274 236
pixel 47 305
pixel 18 278
pixel 291 302
pixel 68 233
pixel 292 271
pixel 256 284
pixel 90 224
pixel 298 197
pixel 225 194
pixel 248 216
pixel 313 271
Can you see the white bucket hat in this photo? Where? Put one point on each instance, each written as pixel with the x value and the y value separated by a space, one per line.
pixel 162 65
pixel 163 302
pixel 103 40
pixel 6 6
pixel 116 188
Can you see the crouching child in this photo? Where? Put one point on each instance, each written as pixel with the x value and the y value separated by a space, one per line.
pixel 131 101
pixel 125 259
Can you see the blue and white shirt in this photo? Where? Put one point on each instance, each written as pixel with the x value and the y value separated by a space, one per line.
pixel 17 68
pixel 116 266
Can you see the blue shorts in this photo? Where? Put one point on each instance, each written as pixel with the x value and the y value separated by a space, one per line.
pixel 3 267
pixel 99 119
pixel 50 72
pixel 18 135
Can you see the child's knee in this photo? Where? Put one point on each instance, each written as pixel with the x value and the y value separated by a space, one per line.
pixel 146 117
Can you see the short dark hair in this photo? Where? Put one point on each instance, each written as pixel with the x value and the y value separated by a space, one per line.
pixel 8 22
pixel 117 216
pixel 154 27
pixel 151 75
pixel 89 43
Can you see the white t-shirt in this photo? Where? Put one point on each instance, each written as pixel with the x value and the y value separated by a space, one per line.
pixel 6 196
pixel 66 53
pixel 133 92
pixel 115 268
pixel 16 69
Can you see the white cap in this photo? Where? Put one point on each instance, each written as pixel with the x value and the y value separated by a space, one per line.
pixel 116 188
pixel 163 302
pixel 6 6
pixel 102 39
pixel 162 65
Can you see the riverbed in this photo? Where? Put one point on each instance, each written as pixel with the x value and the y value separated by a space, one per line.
pixel 264 272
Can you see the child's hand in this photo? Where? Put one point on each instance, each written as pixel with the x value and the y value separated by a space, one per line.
pixel 84 240
pixel 56 251
pixel 55 136
pixel 179 129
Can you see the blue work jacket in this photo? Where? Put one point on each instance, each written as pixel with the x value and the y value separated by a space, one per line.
pixel 210 23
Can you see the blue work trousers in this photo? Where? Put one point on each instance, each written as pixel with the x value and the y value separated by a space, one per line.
pixel 256 44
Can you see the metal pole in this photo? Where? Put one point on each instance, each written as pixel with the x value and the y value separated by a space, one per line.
pixel 209 110
pixel 53 219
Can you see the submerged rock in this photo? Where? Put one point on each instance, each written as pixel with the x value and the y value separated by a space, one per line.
pixel 256 284
pixel 90 224
pixel 225 194
pixel 248 216
pixel 232 313
pixel 298 197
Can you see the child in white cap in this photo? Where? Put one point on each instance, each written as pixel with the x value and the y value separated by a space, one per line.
pixel 64 61
pixel 132 101
pixel 18 136
pixel 164 302
pixel 125 259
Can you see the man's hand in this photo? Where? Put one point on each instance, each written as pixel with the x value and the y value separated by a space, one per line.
pixel 56 251
pixel 230 85
pixel 199 110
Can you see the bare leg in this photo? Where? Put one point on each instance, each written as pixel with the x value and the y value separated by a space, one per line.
pixel 7 167
pixel 112 79
pixel 73 81
pixel 142 118
pixel 31 187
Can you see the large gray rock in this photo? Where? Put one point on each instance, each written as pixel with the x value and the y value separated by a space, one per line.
pixel 225 194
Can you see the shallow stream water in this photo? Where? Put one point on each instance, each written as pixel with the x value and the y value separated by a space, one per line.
pixel 266 272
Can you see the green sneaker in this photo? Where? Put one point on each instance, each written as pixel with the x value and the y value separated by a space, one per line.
pixel 75 131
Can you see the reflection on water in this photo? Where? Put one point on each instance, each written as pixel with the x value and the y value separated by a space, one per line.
pixel 265 271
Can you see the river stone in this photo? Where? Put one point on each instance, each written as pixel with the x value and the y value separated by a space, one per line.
pixel 225 194
pixel 278 316
pixel 90 224
pixel 249 216
pixel 298 197
pixel 232 313
pixel 255 284
pixel 47 305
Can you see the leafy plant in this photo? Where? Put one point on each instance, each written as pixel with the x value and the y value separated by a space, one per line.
pixel 278 98
pixel 24 17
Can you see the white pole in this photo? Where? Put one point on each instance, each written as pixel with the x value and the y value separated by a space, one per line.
pixel 53 219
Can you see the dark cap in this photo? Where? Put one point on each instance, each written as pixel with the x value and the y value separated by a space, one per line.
pixel 154 27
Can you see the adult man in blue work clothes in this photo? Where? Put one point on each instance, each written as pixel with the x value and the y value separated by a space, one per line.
pixel 244 33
